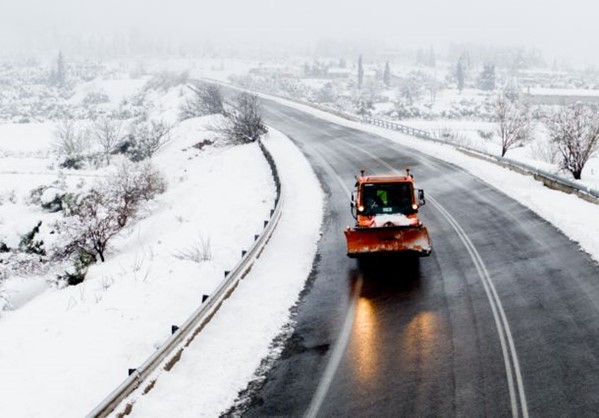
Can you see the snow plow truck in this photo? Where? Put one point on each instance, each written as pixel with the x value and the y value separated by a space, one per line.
pixel 386 211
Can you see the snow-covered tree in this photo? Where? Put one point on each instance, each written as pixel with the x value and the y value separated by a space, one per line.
pixel 207 100
pixel 146 138
pixel 412 87
pixel 58 77
pixel 93 218
pixel 70 143
pixel 459 75
pixel 327 94
pixel 243 122
pixel 360 72
pixel 514 122
pixel 575 131
pixel 431 58
pixel 486 80
pixel 387 75
pixel 363 107
pixel 108 133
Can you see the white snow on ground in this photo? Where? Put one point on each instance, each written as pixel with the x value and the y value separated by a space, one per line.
pixel 25 138
pixel 575 217
pixel 562 92
pixel 116 90
pixel 71 347
pixel 225 355
pixel 63 350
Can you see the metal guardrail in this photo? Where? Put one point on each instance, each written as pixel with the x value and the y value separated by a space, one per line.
pixel 168 354
pixel 549 179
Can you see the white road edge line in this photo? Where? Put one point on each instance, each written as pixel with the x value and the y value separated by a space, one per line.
pixel 501 322
pixel 500 318
pixel 336 355
pixel 339 347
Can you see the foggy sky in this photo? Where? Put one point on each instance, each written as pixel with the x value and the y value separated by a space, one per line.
pixel 560 29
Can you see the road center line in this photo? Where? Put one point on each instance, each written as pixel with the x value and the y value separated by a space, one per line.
pixel 501 322
pixel 509 355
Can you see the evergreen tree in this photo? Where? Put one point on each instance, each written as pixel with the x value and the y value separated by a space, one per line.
pixel 61 76
pixel 420 56
pixel 387 75
pixel 431 60
pixel 360 72
pixel 487 77
pixel 459 75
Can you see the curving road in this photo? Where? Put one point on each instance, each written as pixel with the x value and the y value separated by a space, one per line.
pixel 501 320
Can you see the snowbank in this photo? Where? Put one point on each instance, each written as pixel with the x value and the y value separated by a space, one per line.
pixel 224 357
pixel 66 349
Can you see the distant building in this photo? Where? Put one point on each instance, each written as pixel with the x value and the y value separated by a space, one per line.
pixel 339 73
pixel 561 97
pixel 277 70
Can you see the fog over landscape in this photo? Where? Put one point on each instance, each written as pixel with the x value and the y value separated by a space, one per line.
pixel 561 30
pixel 155 153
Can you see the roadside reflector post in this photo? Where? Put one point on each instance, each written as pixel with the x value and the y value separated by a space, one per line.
pixel 174 329
pixel 131 371
pixel 243 253
pixel 204 297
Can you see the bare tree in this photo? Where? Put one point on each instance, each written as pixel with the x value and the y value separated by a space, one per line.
pixel 243 121
pixel 70 142
pixel 207 100
pixel 107 132
pixel 132 184
pixel 147 138
pixel 575 130
pixel 514 122
pixel 94 218
pixel 68 138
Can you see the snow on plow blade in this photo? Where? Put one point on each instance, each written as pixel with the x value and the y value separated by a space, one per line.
pixel 386 240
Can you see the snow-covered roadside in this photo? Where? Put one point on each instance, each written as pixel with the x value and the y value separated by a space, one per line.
pixel 224 357
pixel 576 218
pixel 66 349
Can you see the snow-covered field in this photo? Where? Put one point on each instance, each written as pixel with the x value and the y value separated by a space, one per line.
pixel 65 348
pixel 70 347
pixel 225 356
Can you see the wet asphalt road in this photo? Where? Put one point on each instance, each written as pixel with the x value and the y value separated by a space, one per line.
pixel 501 320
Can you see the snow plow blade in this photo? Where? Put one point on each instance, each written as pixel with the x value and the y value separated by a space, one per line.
pixel 388 240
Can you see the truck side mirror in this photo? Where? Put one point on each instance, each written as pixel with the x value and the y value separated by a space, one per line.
pixel 421 200
pixel 353 206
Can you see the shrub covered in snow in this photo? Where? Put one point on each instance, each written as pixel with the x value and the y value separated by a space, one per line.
pixel 243 121
pixel 145 139
pixel 94 217
pixel 206 99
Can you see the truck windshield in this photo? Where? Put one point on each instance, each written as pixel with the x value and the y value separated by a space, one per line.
pixel 387 198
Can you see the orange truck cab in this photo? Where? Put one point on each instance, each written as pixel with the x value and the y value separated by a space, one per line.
pixel 386 211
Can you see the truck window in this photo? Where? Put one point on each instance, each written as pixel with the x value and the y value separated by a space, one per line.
pixel 387 198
